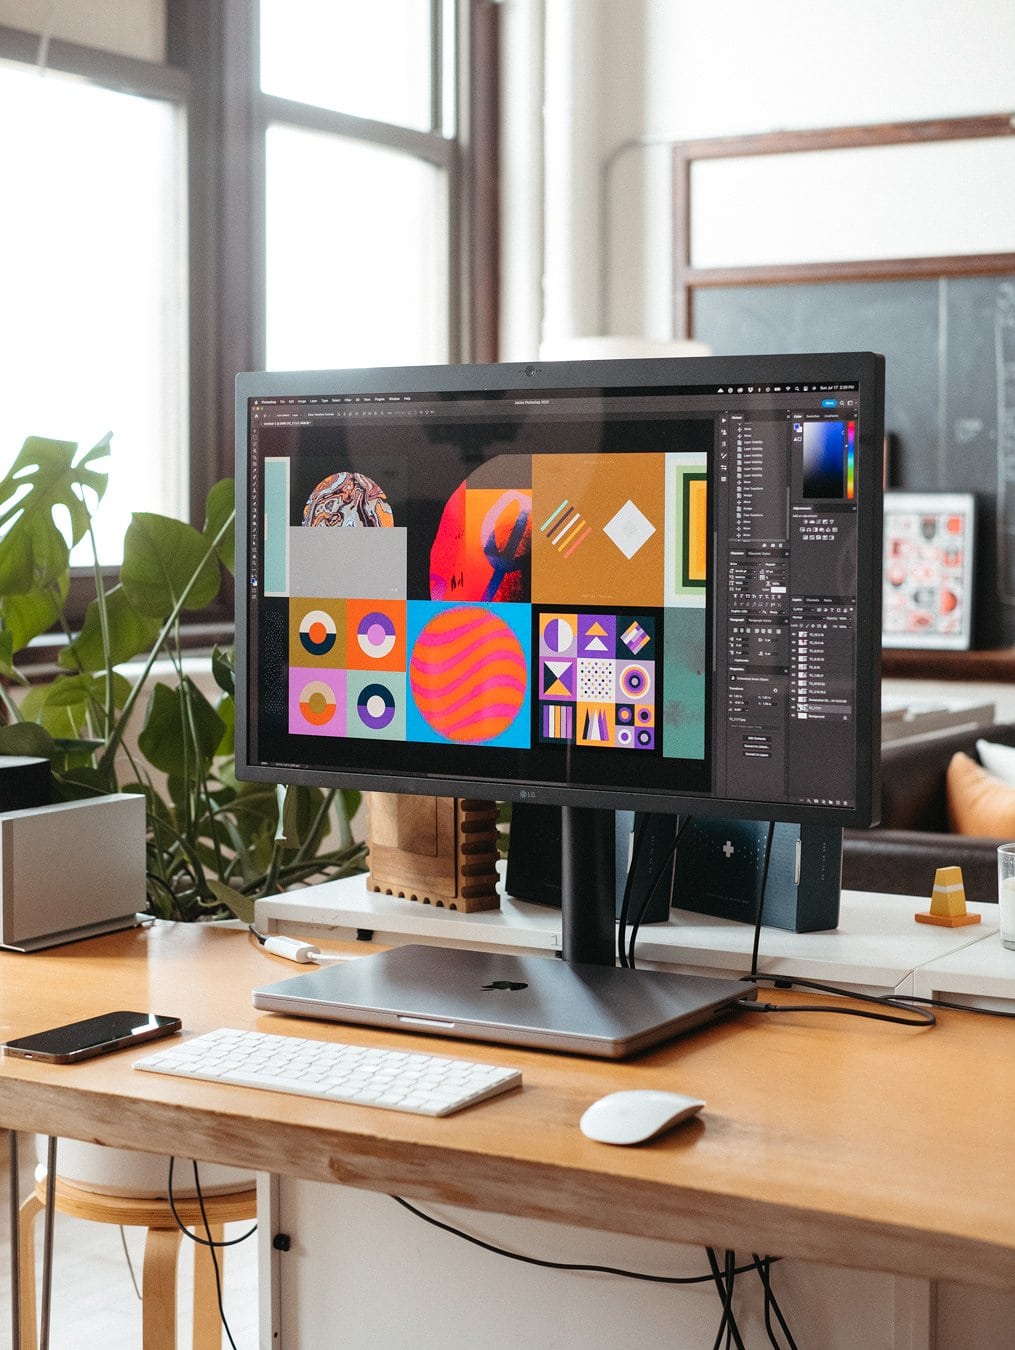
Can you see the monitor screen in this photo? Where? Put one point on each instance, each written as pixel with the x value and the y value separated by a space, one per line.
pixel 643 585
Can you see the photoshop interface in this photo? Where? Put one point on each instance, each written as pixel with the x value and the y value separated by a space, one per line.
pixel 666 577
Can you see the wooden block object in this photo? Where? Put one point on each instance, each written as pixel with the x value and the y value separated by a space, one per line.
pixel 948 901
pixel 436 850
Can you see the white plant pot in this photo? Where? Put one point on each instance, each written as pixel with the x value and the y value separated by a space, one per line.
pixel 121 1171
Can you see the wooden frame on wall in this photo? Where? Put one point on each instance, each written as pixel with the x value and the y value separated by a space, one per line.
pixel 917 263
pixel 686 154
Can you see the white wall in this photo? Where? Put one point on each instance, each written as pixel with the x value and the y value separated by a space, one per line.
pixel 620 76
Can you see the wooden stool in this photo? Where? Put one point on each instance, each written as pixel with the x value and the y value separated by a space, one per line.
pixel 162 1249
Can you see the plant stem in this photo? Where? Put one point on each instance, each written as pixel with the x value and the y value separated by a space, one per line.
pixel 117 731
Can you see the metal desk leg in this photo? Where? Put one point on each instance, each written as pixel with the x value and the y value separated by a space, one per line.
pixel 47 1244
pixel 14 1180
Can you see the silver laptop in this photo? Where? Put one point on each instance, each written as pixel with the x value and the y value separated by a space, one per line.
pixel 535 1001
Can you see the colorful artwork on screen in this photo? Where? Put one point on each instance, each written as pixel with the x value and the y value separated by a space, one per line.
pixel 491 657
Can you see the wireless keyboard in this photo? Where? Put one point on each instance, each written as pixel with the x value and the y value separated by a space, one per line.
pixel 428 1085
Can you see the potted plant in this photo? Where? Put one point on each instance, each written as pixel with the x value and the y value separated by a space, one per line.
pixel 124 711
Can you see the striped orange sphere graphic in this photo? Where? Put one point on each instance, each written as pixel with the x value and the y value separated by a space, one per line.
pixel 468 675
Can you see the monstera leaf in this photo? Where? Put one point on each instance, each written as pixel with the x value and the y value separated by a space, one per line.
pixel 219 525
pixel 167 564
pixel 120 636
pixel 25 616
pixel 182 730
pixel 44 484
pixel 213 843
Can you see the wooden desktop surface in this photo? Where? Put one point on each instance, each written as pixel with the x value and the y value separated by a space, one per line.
pixel 824 1137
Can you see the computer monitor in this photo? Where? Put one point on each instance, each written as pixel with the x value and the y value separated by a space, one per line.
pixel 648 585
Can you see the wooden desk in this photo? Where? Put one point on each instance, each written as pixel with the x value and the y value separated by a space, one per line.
pixel 827 1138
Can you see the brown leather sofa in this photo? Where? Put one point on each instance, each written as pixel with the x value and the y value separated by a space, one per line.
pixel 913 839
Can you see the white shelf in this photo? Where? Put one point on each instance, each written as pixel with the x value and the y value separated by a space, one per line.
pixel 982 975
pixel 345 909
pixel 877 946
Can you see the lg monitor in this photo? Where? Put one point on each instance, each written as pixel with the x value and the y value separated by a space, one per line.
pixel 649 586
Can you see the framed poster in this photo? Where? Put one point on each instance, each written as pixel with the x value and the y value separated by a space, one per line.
pixel 928 569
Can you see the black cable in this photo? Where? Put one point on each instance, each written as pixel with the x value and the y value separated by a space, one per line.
pixel 650 889
pixel 627 944
pixel 213 1255
pixel 625 904
pixel 723 1280
pixel 207 1240
pixel 203 1242
pixel 919 1017
pixel 546 1264
pixel 755 1007
pixel 955 1007
pixel 761 897
pixel 762 1265
pixel 731 1270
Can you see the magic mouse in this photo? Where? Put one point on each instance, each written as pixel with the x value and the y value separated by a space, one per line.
pixel 636 1115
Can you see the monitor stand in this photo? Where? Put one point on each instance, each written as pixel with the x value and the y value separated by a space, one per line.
pixel 588 885
pixel 585 1004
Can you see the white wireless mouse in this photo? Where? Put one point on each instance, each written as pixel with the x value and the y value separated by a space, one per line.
pixel 637 1115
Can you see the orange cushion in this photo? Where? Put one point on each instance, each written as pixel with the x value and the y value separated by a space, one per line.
pixel 979 803
pixel 997 759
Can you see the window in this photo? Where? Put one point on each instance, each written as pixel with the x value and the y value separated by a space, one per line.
pixel 203 189
pixel 360 181
pixel 92 243
pixel 372 61
pixel 357 268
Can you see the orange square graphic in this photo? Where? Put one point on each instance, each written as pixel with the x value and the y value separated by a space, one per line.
pixel 598 529
pixel 481 549
pixel 317 632
pixel 595 724
pixel 375 634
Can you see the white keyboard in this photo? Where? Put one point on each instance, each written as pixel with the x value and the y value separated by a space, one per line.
pixel 428 1085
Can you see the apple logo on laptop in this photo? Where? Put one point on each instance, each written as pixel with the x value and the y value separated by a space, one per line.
pixel 506 984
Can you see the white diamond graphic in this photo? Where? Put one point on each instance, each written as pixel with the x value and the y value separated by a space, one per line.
pixel 630 529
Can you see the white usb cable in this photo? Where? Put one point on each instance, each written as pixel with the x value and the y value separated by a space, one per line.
pixel 295 949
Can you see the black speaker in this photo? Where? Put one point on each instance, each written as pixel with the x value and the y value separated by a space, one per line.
pixel 720 868
pixel 533 862
pixel 25 781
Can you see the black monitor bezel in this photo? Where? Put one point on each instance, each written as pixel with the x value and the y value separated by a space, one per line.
pixel 798 369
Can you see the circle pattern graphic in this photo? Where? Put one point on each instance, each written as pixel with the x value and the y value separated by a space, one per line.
pixel 375 634
pixel 345 498
pixel 634 681
pixel 317 702
pixel 558 636
pixel 375 705
pixel 317 632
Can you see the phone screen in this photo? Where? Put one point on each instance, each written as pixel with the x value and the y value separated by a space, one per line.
pixel 93 1036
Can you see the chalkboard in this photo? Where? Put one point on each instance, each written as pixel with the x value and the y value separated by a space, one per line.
pixel 949 347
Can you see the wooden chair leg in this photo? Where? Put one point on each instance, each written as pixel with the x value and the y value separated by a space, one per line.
pixel 161 1258
pixel 30 1207
pixel 158 1306
pixel 207 1322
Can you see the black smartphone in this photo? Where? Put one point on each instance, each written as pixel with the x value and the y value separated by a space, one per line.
pixel 93 1036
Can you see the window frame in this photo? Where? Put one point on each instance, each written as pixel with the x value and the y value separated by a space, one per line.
pixel 211 72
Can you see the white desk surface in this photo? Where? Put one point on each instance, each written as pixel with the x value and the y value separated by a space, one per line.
pixel 877 946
